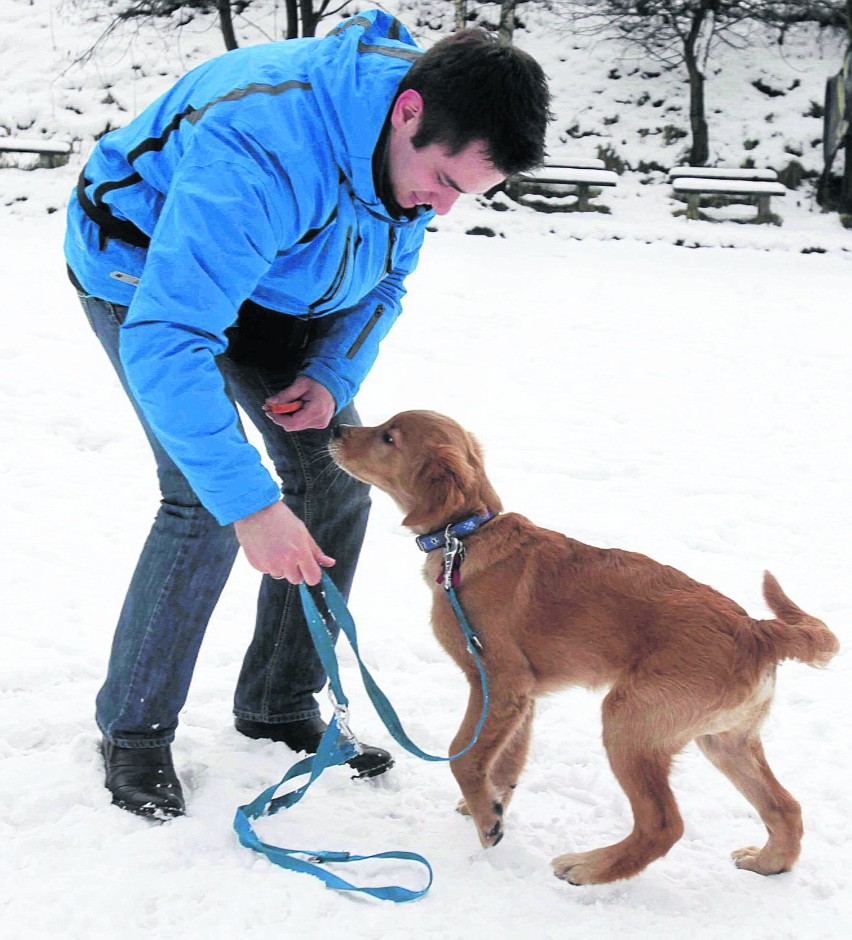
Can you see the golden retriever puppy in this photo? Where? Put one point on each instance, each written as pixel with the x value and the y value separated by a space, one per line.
pixel 681 661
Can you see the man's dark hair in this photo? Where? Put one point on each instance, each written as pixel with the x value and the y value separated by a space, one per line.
pixel 475 87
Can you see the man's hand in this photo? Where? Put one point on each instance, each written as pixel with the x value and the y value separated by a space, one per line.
pixel 316 410
pixel 277 543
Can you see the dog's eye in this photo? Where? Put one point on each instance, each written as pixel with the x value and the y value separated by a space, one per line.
pixel 387 437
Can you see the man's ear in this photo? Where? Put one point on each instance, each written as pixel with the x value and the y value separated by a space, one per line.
pixel 407 112
pixel 441 485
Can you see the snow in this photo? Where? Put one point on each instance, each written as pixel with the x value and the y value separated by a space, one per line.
pixel 710 172
pixel 591 175
pixel 691 404
pixel 728 186
pixel 36 145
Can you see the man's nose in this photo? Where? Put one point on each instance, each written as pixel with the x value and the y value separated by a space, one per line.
pixel 444 201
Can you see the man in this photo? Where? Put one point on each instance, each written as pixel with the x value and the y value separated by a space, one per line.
pixel 246 239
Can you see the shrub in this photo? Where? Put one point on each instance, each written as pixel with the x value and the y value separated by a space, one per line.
pixel 611 159
pixel 792 174
pixel 672 133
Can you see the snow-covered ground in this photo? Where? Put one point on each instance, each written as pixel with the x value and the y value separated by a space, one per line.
pixel 694 405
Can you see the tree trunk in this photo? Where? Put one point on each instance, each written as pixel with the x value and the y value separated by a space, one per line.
pixel 846 185
pixel 846 188
pixel 309 18
pixel 507 20
pixel 460 7
pixel 700 151
pixel 292 8
pixel 226 24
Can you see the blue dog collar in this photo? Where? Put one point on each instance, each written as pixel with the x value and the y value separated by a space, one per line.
pixel 428 543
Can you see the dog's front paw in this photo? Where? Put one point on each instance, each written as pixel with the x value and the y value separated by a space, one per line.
pixel 493 836
pixel 461 807
pixel 492 831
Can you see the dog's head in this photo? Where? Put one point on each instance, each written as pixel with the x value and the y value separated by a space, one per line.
pixel 425 461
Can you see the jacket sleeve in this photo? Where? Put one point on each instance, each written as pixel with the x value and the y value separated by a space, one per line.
pixel 347 347
pixel 217 234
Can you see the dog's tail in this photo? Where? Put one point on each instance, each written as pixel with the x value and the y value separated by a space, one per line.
pixel 795 634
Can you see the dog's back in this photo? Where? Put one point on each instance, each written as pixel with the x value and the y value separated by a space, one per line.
pixel 584 615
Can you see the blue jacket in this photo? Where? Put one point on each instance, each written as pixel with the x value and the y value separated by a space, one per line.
pixel 253 179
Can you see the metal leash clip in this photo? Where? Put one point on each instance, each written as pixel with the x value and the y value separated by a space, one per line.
pixel 341 714
pixel 454 552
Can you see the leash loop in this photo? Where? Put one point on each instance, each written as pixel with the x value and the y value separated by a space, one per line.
pixel 339 744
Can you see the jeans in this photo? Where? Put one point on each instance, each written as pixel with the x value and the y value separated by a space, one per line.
pixel 188 556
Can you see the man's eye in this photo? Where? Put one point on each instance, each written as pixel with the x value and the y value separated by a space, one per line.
pixel 387 437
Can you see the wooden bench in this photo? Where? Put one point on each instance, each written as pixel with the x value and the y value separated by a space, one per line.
pixel 51 153
pixel 756 186
pixel 585 178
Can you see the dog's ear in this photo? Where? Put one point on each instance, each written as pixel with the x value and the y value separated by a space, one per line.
pixel 441 485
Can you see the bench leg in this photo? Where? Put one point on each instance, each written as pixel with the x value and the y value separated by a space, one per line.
pixel 582 197
pixel 763 213
pixel 52 160
pixel 692 205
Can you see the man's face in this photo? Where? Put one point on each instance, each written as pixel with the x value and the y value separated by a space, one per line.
pixel 431 176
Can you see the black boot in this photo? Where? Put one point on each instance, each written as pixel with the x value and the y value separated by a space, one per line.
pixel 143 781
pixel 305 735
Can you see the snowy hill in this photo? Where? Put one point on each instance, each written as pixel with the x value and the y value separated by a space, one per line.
pixel 763 103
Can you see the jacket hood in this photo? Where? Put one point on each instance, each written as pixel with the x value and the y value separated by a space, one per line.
pixel 355 75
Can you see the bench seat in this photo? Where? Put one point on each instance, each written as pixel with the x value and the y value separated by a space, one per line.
pixel 722 173
pixel 576 163
pixel 732 187
pixel 569 176
pixel 51 153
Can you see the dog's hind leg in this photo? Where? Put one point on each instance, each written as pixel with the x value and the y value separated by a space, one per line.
pixel 739 755
pixel 484 798
pixel 640 758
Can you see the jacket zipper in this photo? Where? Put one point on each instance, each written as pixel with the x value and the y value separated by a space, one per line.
pixel 389 258
pixel 365 332
pixel 339 276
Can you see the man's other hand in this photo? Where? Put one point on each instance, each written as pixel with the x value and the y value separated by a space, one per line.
pixel 277 543
pixel 316 410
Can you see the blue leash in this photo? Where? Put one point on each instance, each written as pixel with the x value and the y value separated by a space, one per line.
pixel 338 745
